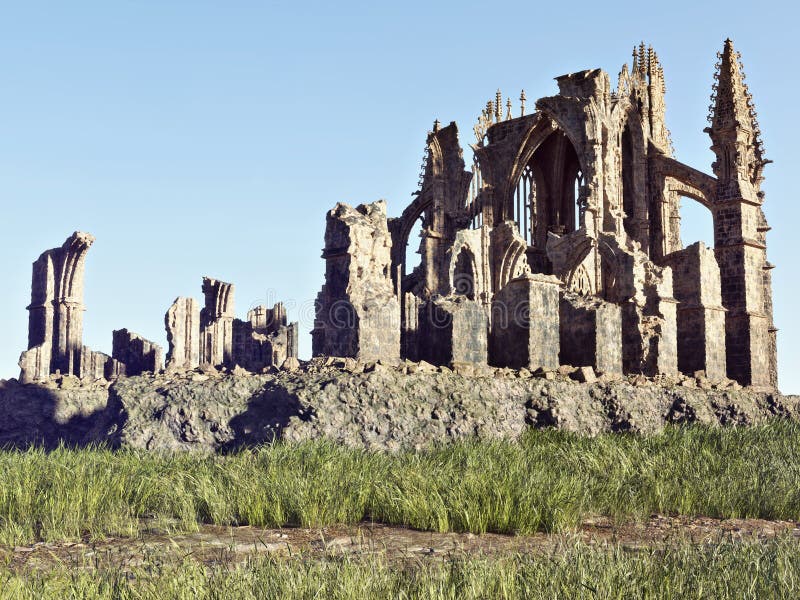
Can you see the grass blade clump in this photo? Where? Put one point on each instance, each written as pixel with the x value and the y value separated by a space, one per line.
pixel 547 481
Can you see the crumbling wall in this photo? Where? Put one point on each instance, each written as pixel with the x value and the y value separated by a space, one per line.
pixel 266 339
pixel 136 353
pixel 453 331
pixel 700 315
pixel 358 312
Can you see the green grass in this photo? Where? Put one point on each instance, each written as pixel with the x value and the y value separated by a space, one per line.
pixel 547 482
pixel 742 570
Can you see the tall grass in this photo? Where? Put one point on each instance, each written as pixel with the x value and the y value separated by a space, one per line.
pixel 548 481
pixel 742 570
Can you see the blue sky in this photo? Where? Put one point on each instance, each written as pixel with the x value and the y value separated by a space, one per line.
pixel 209 138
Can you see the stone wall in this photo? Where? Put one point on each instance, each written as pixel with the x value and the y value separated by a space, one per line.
pixel 358 311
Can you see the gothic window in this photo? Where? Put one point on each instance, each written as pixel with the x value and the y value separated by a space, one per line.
pixel 525 206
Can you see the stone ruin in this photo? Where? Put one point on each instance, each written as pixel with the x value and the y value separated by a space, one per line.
pixel 209 338
pixel 560 248
pixel 562 244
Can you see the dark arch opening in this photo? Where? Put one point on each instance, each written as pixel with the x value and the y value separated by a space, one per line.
pixel 547 191
pixel 628 190
pixel 464 274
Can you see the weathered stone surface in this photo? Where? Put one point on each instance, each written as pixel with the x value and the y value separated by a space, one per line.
pixel 455 331
pixel 385 409
pixel 182 322
pixel 358 312
pixel 591 333
pixel 266 339
pixel 700 316
pixel 525 330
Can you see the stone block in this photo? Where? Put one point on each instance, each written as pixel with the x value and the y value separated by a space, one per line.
pixel 525 323
pixel 590 333
pixel 453 331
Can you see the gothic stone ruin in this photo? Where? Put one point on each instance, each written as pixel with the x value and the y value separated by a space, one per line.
pixel 211 337
pixel 562 245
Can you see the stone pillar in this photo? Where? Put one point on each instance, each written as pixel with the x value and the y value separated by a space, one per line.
pixel 216 323
pixel 525 317
pixel 136 353
pixel 590 333
pixel 182 322
pixel 358 313
pixel 453 331
pixel 701 317
pixel 55 322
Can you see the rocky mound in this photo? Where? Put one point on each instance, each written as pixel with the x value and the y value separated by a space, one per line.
pixel 406 406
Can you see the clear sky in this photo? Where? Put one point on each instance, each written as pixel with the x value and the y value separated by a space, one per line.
pixel 209 138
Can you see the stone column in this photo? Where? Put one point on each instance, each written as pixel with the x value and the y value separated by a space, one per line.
pixel 55 325
pixel 216 323
pixel 182 322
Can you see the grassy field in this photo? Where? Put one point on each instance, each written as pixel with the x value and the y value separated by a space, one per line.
pixel 547 482
pixel 745 570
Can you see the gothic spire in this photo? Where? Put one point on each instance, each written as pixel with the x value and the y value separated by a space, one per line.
pixel 734 127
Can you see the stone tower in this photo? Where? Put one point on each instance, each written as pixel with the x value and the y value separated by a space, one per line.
pixel 740 227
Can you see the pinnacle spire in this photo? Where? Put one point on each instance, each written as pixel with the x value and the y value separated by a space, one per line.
pixel 732 113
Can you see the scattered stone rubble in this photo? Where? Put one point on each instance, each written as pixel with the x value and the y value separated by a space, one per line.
pixel 374 405
pixel 562 245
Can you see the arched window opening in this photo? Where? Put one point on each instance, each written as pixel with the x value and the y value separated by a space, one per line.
pixel 474 202
pixel 696 223
pixel 580 209
pixel 547 192
pixel 464 274
pixel 628 190
pixel 525 206
pixel 414 247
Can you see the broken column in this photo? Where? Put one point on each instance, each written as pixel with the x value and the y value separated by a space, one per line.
pixel 591 333
pixel 183 334
pixel 358 313
pixel 701 317
pixel 216 323
pixel 525 316
pixel 55 322
pixel 136 353
pixel 453 331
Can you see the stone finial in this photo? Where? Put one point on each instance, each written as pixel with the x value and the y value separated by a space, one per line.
pixel 508 109
pixel 498 106
pixel 522 99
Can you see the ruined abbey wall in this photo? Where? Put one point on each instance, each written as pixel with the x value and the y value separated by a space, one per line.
pixel 561 246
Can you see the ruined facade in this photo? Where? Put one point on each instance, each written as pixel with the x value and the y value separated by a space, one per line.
pixel 562 244
pixel 212 337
